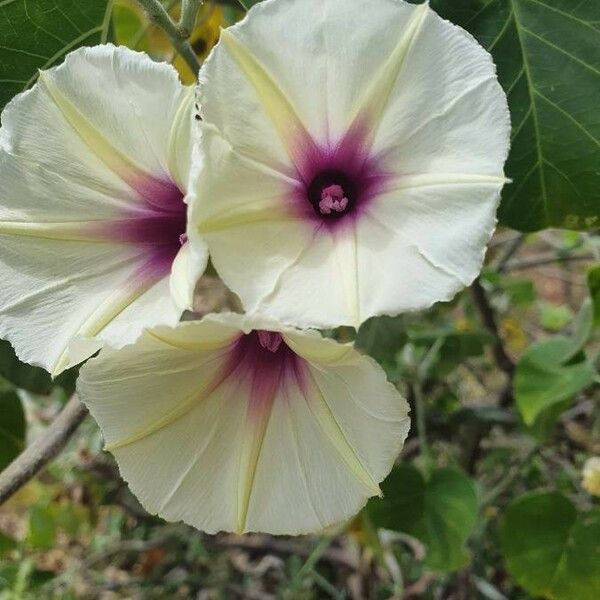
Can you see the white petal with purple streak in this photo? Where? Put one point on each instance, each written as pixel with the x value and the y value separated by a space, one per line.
pixel 382 102
pixel 234 424
pixel 94 168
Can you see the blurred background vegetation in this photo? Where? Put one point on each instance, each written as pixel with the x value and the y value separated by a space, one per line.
pixel 496 494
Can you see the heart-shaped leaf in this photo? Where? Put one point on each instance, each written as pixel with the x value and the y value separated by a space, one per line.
pixel 440 511
pixel 550 548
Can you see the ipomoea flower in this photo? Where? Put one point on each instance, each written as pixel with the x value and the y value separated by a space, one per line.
pixel 95 163
pixel 239 425
pixel 354 159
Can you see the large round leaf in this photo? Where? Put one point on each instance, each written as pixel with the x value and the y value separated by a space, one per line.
pixel 552 550
pixel 548 58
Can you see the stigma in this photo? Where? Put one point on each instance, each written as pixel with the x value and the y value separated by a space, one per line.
pixel 333 199
pixel 270 340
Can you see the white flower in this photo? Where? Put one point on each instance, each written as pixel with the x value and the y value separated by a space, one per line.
pixel 94 168
pixel 239 425
pixel 354 159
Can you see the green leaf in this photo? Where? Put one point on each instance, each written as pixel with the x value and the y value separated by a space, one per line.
pixel 6 544
pixel 548 58
pixel 457 345
pixel 544 379
pixel 550 549
pixel 520 291
pixel 382 338
pixel 30 378
pixel 37 34
pixel 593 278
pixel 42 528
pixel 583 326
pixel 12 427
pixel 555 317
pixel 440 511
pixel 21 375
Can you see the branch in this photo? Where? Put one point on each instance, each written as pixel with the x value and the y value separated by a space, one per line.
pixel 36 456
pixel 488 318
pixel 189 12
pixel 159 16
pixel 511 249
pixel 538 261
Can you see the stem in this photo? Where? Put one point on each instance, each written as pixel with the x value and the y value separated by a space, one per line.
pixel 512 247
pixel 189 12
pixel 158 15
pixel 486 313
pixel 421 425
pixel 417 389
pixel 36 456
pixel 311 563
pixel 539 261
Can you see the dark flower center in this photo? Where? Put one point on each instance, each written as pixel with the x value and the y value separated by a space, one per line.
pixel 332 194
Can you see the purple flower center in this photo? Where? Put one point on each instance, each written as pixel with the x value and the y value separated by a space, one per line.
pixel 332 194
pixel 269 340
pixel 337 180
pixel 158 225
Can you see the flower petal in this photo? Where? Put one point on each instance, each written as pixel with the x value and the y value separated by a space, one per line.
pixel 405 109
pixel 465 127
pixel 437 260
pixel 93 168
pixel 226 435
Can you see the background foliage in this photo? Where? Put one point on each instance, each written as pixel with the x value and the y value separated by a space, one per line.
pixel 489 499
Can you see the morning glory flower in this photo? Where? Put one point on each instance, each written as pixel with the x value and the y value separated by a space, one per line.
pixel 95 162
pixel 354 159
pixel 238 424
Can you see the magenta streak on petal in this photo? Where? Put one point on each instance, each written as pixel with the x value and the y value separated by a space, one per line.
pixel 160 194
pixel 161 230
pixel 336 181
pixel 267 364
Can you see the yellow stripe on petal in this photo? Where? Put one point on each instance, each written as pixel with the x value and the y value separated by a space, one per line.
pixel 122 165
pixel 276 105
pixel 374 102
pixel 173 415
pixel 106 312
pixel 251 449
pixel 243 214
pixel 326 420
pixel 81 231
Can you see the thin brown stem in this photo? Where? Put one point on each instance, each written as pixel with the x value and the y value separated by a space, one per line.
pixel 486 313
pixel 37 455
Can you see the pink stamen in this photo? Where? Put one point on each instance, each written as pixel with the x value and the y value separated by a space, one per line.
pixel 332 200
pixel 270 340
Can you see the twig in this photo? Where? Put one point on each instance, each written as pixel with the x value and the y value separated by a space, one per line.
pixel 157 14
pixel 189 12
pixel 538 261
pixel 43 450
pixel 486 313
pixel 512 247
pixel 417 389
pixel 264 544
pixel 310 563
